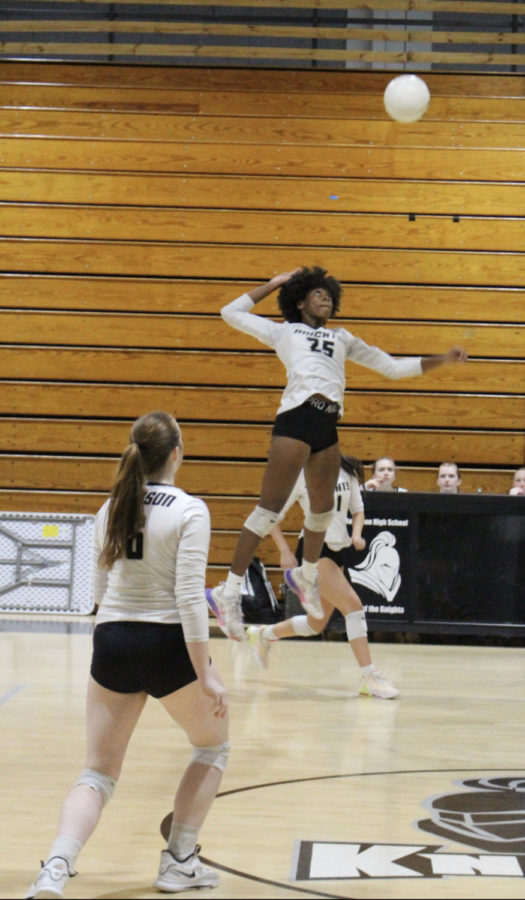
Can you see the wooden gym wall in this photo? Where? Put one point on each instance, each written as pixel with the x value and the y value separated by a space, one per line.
pixel 136 201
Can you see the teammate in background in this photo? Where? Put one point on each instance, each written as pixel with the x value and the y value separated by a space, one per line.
pixel 518 484
pixel 448 479
pixel 383 477
pixel 151 638
pixel 305 431
pixel 335 589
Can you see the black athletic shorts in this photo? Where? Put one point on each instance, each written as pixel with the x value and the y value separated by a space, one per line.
pixel 129 657
pixel 327 552
pixel 314 422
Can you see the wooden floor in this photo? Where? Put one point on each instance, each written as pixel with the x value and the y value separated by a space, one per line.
pixel 323 786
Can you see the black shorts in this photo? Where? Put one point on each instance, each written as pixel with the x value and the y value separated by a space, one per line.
pixel 314 422
pixel 327 552
pixel 129 657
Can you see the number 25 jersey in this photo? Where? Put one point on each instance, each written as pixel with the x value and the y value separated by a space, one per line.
pixel 314 358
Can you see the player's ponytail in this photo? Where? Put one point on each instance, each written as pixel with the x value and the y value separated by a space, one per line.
pixel 153 437
pixel 354 467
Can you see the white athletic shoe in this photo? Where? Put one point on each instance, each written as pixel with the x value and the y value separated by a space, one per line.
pixel 307 591
pixel 261 646
pixel 375 685
pixel 52 879
pixel 227 607
pixel 185 874
pixel 215 610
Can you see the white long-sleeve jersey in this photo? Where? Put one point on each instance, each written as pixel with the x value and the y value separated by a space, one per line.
pixel 347 499
pixel 314 358
pixel 162 577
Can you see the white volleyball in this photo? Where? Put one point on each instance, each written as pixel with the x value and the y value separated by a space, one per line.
pixel 406 98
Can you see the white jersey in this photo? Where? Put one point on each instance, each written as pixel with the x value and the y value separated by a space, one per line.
pixel 162 577
pixel 347 499
pixel 314 357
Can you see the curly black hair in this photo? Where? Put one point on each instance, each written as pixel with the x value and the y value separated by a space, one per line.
pixel 297 287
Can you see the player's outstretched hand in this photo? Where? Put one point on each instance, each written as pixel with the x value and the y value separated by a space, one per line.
pixel 283 277
pixel 456 355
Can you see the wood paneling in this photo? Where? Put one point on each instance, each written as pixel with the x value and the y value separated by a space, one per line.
pixel 297 81
pixel 332 161
pixel 83 473
pixel 270 55
pixel 183 367
pixel 252 441
pixel 203 477
pixel 133 209
pixel 101 51
pixel 237 192
pixel 407 302
pixel 193 332
pixel 258 262
pixel 124 223
pixel 229 512
pixel 335 105
pixel 147 26
pixel 274 132
pixel 236 405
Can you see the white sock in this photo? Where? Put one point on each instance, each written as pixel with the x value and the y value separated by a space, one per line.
pixel 268 633
pixel 309 570
pixel 182 840
pixel 66 847
pixel 367 670
pixel 233 583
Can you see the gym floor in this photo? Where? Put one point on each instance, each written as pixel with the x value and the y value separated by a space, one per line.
pixel 327 794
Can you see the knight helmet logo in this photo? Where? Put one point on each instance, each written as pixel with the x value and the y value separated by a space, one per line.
pixel 379 571
pixel 490 817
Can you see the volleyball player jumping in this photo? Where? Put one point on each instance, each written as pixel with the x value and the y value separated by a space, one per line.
pixel 305 430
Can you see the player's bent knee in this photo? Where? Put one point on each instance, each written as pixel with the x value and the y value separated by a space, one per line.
pixel 302 627
pixel 261 521
pixel 356 626
pixel 97 781
pixel 216 755
pixel 318 521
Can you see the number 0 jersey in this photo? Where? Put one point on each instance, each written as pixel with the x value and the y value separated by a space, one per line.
pixel 162 575
pixel 314 357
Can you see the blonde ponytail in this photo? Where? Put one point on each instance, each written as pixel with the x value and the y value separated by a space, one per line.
pixel 153 437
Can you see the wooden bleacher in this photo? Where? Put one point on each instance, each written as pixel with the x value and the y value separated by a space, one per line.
pixel 136 201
